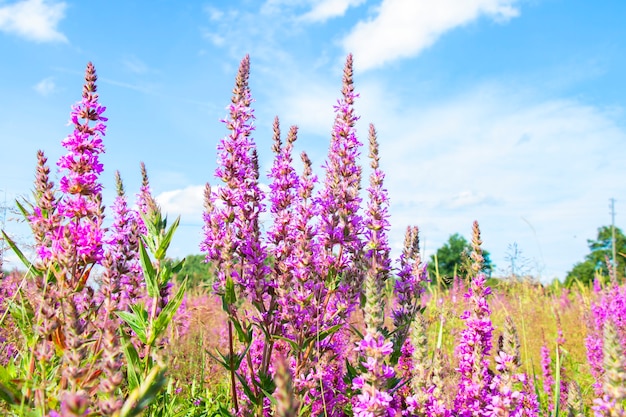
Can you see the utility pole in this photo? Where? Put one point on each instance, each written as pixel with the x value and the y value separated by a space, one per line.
pixel 612 200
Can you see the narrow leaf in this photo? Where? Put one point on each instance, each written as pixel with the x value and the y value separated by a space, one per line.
pixel 149 272
pixel 137 323
pixel 166 315
pixel 28 264
pixel 167 239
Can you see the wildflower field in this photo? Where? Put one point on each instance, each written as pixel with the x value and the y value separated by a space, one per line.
pixel 308 317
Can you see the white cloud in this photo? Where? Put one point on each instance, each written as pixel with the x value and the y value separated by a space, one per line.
pixel 506 159
pixel 187 202
pixel 214 13
pixel 45 87
pixel 403 28
pixel 214 37
pixel 34 20
pixel 327 9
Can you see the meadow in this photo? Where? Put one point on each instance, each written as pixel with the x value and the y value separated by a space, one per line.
pixel 310 317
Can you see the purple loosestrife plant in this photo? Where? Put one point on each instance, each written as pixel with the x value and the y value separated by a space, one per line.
pixel 123 249
pixel 339 201
pixel 408 288
pixel 231 241
pixel 231 232
pixel 78 240
pixel 283 195
pixel 511 394
pixel 374 381
pixel 376 250
pixel 612 402
pixel 373 398
pixel 610 305
pixel 376 219
pixel 473 349
pixel 71 356
pixel 44 219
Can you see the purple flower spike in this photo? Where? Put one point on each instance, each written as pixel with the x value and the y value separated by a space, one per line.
pixel 77 240
pixel 232 215
pixel 376 219
pixel 339 200
pixel 474 347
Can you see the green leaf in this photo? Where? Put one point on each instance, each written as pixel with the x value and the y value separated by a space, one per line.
pixel 266 384
pixel 179 266
pixel 223 411
pixel 136 320
pixel 230 297
pixel 244 336
pixel 557 383
pixel 34 271
pixel 246 388
pixel 295 347
pixel 321 335
pixel 351 373
pixel 9 393
pixel 142 396
pixel 224 360
pixel 149 273
pixel 23 209
pixel 23 318
pixel 164 274
pixel 167 239
pixel 166 315
pixel 134 363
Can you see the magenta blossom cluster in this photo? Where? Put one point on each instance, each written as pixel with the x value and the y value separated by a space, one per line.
pixel 473 350
pixel 80 236
pixel 232 210
pixel 373 398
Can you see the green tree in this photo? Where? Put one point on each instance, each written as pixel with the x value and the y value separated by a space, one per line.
pixel 596 261
pixel 197 271
pixel 452 259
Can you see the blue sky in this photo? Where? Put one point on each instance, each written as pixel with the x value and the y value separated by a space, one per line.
pixel 508 112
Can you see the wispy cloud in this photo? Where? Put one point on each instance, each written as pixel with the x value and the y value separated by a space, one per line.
pixel 45 87
pixel 468 198
pixel 403 28
pixel 135 65
pixel 499 156
pixel 323 10
pixel 35 20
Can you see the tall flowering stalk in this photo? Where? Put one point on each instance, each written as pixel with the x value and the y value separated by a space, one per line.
pixel 376 219
pixel 123 249
pixel 512 395
pixel 283 196
pixel 44 219
pixel 232 235
pixel 408 287
pixel 77 242
pixel 610 305
pixel 612 402
pixel 373 383
pixel 473 349
pixel 341 225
